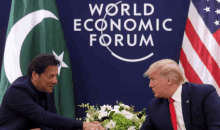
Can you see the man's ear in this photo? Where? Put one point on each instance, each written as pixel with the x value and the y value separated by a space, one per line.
pixel 35 75
pixel 170 81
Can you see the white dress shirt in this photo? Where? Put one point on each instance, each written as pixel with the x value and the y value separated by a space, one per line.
pixel 178 108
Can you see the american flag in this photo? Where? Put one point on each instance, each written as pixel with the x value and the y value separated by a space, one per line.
pixel 200 52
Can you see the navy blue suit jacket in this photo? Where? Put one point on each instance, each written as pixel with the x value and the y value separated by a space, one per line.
pixel 200 107
pixel 24 107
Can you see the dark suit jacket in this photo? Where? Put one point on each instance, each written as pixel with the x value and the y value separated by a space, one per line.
pixel 24 107
pixel 200 107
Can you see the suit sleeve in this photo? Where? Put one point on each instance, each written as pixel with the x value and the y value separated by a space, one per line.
pixel 148 124
pixel 21 101
pixel 212 109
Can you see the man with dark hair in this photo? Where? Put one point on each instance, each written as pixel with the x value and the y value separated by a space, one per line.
pixel 40 63
pixel 29 102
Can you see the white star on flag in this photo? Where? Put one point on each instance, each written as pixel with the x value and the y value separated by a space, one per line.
pixel 60 58
pixel 218 11
pixel 207 9
pixel 216 22
pixel 218 1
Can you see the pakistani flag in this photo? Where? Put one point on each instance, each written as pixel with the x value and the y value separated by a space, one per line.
pixel 34 27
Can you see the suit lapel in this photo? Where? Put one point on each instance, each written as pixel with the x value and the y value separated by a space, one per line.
pixel 186 105
pixel 50 103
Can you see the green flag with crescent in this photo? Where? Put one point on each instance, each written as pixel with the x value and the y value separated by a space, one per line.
pixel 34 27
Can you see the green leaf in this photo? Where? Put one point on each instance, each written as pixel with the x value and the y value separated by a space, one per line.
pixel 121 108
pixel 98 107
pixel 111 114
pixel 105 122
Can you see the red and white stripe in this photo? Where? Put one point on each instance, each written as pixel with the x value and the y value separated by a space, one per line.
pixel 200 52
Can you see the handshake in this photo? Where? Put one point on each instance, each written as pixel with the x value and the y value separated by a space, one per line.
pixel 92 126
pixel 86 126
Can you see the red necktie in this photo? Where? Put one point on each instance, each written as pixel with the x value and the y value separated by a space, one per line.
pixel 173 114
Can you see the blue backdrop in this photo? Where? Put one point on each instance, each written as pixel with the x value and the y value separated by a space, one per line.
pixel 137 32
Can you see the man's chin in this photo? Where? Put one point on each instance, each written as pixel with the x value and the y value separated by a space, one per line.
pixel 157 96
pixel 49 91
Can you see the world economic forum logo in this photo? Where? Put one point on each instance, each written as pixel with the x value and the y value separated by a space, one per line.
pixel 112 9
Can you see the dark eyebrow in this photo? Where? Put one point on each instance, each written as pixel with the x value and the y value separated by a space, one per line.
pixel 53 75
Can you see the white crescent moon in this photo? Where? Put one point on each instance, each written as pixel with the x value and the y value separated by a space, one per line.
pixel 15 39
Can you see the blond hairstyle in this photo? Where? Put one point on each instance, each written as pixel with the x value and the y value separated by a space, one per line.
pixel 167 68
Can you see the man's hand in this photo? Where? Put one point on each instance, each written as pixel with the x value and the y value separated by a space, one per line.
pixel 36 129
pixel 100 126
pixel 90 126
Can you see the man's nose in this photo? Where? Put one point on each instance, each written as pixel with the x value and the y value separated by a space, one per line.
pixel 54 80
pixel 150 84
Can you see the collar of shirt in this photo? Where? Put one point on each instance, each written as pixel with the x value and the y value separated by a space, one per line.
pixel 177 95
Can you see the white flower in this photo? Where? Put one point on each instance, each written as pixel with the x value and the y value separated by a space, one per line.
pixel 116 111
pixel 131 128
pixel 106 106
pixel 87 120
pixel 124 106
pixel 143 117
pixel 127 114
pixel 127 107
pixel 102 114
pixel 111 124
pixel 90 119
pixel 116 107
pixel 135 117
pixel 88 115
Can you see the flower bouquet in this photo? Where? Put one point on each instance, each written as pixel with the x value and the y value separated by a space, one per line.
pixel 119 117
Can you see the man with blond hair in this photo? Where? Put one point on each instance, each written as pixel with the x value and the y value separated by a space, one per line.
pixel 178 104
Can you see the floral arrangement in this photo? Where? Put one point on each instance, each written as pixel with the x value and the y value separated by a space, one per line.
pixel 119 117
